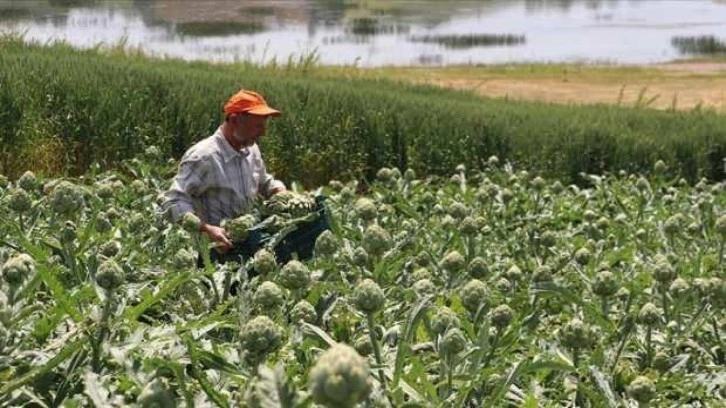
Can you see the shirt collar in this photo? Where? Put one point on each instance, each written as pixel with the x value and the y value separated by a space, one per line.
pixel 228 152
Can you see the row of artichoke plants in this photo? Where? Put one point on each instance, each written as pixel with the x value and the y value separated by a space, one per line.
pixel 485 288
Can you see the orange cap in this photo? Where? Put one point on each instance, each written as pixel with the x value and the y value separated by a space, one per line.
pixel 249 102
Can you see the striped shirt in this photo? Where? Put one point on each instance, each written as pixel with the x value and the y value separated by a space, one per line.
pixel 217 182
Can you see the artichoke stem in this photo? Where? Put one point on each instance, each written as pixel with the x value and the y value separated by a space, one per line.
pixel 648 345
pixel 376 348
pixel 102 331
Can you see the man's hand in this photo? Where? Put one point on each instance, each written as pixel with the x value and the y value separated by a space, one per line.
pixel 218 235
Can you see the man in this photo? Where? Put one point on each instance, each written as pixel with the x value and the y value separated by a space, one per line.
pixel 220 176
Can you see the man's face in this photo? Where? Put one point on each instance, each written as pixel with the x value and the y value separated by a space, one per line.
pixel 248 129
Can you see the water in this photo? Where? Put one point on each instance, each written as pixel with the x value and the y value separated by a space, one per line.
pixel 384 32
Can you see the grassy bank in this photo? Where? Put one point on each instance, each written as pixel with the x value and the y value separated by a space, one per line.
pixel 63 109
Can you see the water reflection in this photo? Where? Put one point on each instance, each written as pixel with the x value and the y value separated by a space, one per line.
pixel 471 40
pixel 380 32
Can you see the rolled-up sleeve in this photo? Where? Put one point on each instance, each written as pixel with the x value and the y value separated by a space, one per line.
pixel 188 183
pixel 268 183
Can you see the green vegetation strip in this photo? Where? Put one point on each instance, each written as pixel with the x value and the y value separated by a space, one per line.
pixel 62 110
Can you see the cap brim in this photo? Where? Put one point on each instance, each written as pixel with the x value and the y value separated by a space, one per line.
pixel 264 111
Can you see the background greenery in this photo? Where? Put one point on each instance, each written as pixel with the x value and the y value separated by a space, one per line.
pixel 63 109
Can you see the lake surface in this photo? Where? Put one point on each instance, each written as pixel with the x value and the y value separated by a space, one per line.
pixel 384 32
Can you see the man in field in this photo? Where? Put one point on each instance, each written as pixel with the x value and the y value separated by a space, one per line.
pixel 219 177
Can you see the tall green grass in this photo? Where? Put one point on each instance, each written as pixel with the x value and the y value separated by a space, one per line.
pixel 62 109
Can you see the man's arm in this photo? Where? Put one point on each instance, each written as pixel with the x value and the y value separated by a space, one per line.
pixel 178 200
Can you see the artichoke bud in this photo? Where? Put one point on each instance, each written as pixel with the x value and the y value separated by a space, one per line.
pixel 421 273
pixel 363 345
pixel 679 288
pixel 68 233
pixel 264 262
pixel 368 297
pixel 453 262
pixel 109 249
pixel 506 195
pixel 384 174
pixel 340 378
pixel 605 284
pixel 28 181
pixel 238 228
pixel 659 167
pixel 184 259
pixel 326 244
pixel 589 215
pixel 649 315
pixel 603 223
pixel 137 222
pixel 109 275
pixel 538 183
pixel 642 389
pixel 473 295
pixel 66 198
pixel 268 296
pixel 478 268
pixel 661 361
pixel 542 274
pixel 444 319
pixel 366 209
pixel 295 275
pixel 642 184
pixel 104 190
pixel 664 272
pixel 503 285
pixel 260 337
pixel 458 211
pixel 423 259
pixel 469 226
pixel 303 311
pixel 18 269
pixel 452 342
pixel 19 200
pixel 583 256
pixel 548 239
pixel 513 273
pixel 576 335
pixel 501 316
pixel 376 240
pixel 102 224
pixel 359 257
pixel 672 224
pixel 138 187
pixel 428 199
pixel 424 287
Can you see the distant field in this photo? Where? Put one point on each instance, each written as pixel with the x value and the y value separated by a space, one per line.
pixel 684 85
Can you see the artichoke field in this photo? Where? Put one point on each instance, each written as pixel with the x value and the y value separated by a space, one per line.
pixel 489 288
